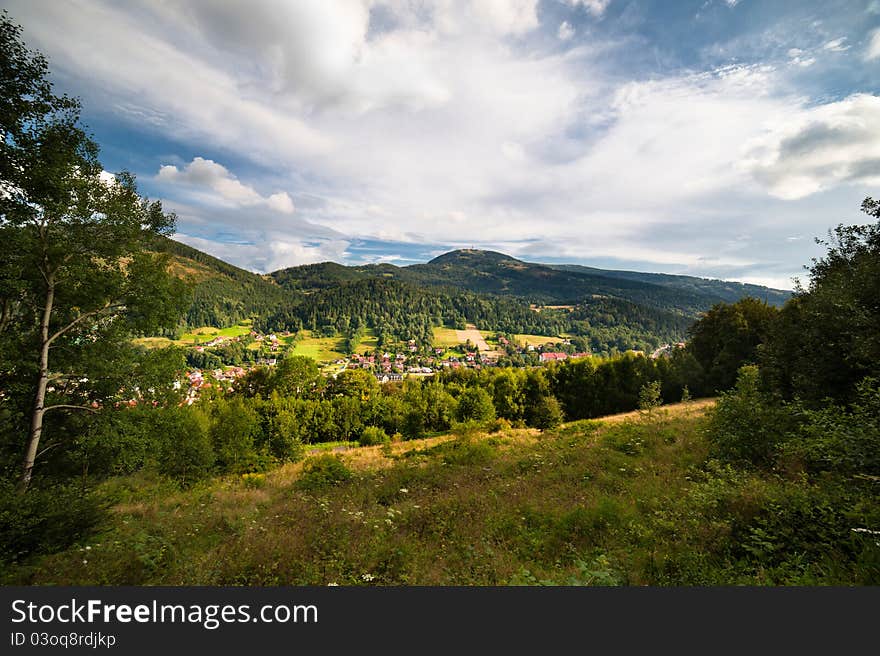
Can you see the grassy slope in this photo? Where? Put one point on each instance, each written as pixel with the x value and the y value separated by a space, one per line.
pixel 586 503
pixel 322 349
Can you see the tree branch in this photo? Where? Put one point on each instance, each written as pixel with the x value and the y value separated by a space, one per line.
pixel 69 407
pixel 86 315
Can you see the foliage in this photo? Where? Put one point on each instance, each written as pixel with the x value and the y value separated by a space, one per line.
pixel 727 337
pixel 649 397
pixel 373 435
pixel 323 471
pixel 827 338
pixel 747 428
pixel 77 279
pixel 45 520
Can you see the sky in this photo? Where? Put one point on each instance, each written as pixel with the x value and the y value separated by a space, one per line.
pixel 715 138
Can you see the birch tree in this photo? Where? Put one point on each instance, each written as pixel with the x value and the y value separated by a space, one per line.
pixel 78 277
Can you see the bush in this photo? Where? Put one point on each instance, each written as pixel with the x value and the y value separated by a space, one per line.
pixel 843 440
pixel 184 446
pixel 253 481
pixel 43 520
pixel 546 413
pixel 747 428
pixel 323 471
pixel 475 404
pixel 234 425
pixel 649 397
pixel 373 435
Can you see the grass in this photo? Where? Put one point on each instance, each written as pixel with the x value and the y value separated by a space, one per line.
pixel 154 342
pixel 590 502
pixel 445 337
pixel 197 336
pixel 536 340
pixel 322 349
pixel 369 342
pixel 207 333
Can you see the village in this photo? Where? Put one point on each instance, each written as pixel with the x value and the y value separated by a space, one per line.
pixel 392 365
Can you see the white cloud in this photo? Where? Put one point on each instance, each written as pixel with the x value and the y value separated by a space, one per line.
pixel 205 174
pixel 837 45
pixel 270 253
pixel 437 121
pixel 872 52
pixel 819 147
pixel 566 31
pixel 595 7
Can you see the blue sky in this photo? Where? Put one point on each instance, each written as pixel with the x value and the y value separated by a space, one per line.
pixel 713 138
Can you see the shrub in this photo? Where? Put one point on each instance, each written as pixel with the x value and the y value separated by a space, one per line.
pixel 747 428
pixel 373 435
pixel 234 425
pixel 184 451
pixel 323 471
pixel 546 413
pixel 253 480
pixel 475 404
pixel 43 520
pixel 649 397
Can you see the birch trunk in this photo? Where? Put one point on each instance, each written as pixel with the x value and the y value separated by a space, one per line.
pixel 40 395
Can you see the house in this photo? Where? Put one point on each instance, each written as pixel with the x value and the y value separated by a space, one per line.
pixel 550 357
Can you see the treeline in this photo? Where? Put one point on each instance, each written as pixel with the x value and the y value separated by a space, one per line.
pixel 796 443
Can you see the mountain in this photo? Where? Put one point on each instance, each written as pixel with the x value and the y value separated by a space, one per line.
pixel 223 294
pixel 725 290
pixel 489 272
pixel 607 310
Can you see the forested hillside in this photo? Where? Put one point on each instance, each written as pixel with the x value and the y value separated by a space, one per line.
pixel 222 294
pixel 398 311
pixel 487 272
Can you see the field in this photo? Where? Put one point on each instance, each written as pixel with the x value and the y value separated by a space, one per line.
pixel 536 340
pixel 207 333
pixel 592 502
pixel 445 337
pixel 369 342
pixel 322 349
pixel 196 336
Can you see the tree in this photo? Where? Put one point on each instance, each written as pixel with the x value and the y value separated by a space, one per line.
pixel 475 404
pixel 827 338
pixel 727 337
pixel 78 278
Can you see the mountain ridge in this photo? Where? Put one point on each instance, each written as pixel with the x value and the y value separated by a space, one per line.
pixel 491 272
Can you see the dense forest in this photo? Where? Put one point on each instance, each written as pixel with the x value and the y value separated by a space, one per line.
pixel 398 312
pixel 221 294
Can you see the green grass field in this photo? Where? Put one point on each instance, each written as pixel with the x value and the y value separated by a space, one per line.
pixel 207 333
pixel 593 502
pixel 445 337
pixel 536 340
pixel 369 342
pixel 322 349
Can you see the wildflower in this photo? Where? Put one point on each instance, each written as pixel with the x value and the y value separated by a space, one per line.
pixel 368 577
pixel 85 562
pixel 404 490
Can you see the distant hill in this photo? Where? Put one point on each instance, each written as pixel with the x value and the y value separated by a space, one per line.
pixel 223 294
pixel 489 272
pixel 723 289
